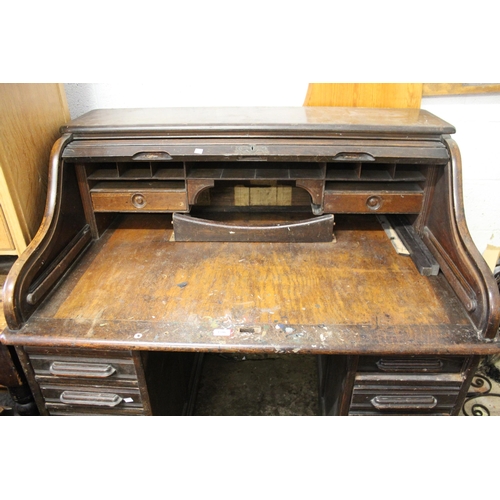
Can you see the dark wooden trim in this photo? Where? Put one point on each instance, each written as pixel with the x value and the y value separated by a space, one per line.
pixel 419 253
pixel 196 186
pixel 446 234
pixel 336 379
pixel 456 279
pixel 432 174
pixel 315 188
pixel 10 376
pixel 295 121
pixel 49 248
pixel 33 384
pixel 468 374
pixel 141 379
pixel 188 228
pixel 59 266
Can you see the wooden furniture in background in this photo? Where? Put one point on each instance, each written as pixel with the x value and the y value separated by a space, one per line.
pixel 436 89
pixel 106 306
pixel 30 117
pixel 367 95
pixel 388 95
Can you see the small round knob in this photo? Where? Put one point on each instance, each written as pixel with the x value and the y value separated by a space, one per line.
pixel 374 202
pixel 138 201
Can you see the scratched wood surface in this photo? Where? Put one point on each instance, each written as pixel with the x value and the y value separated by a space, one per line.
pixel 136 289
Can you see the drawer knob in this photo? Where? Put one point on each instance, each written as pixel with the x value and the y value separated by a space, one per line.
pixel 404 402
pixel 138 200
pixel 90 398
pixel 88 370
pixel 374 202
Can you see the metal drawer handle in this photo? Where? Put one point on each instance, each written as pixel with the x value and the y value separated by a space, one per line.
pixel 90 370
pixel 397 365
pixel 404 402
pixel 90 398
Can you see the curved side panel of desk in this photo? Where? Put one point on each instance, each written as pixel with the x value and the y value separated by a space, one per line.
pixel 446 234
pixel 60 240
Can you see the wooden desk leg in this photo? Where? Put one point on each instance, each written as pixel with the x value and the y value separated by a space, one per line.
pixel 12 377
pixel 336 379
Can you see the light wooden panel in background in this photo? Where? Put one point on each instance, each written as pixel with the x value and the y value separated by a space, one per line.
pixel 365 95
pixel 434 89
pixel 30 117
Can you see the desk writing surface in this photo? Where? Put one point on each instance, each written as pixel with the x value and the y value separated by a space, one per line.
pixel 135 288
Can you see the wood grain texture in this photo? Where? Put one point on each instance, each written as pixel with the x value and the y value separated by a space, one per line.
pixel 311 230
pixel 371 198
pixel 62 221
pixel 301 122
pixel 144 198
pixel 286 276
pixel 365 95
pixel 30 118
pixel 9 373
pixel 329 295
pixel 446 235
pixel 6 243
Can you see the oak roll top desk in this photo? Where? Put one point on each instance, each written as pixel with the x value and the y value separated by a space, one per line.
pixel 168 233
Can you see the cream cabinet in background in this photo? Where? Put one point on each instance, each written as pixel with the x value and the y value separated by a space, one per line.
pixel 30 117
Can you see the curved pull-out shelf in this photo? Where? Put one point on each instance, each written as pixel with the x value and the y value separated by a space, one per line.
pixel 188 228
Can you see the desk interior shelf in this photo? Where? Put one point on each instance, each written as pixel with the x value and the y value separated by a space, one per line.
pixel 135 170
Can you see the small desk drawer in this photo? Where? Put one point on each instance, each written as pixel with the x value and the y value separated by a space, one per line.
pixel 402 403
pixel 405 394
pixel 412 364
pixel 93 370
pixel 367 197
pixel 96 398
pixel 139 201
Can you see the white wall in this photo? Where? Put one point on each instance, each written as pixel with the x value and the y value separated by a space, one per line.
pixel 476 118
pixel 83 97
pixel 477 121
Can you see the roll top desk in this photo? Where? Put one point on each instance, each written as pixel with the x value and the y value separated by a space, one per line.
pixel 169 233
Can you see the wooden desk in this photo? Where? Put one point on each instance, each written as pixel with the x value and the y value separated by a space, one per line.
pixel 107 302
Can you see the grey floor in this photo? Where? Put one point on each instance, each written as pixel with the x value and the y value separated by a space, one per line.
pixel 258 385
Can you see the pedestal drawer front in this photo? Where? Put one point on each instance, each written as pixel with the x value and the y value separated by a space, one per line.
pixel 63 410
pixel 84 369
pixel 405 394
pixel 412 364
pixel 97 398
